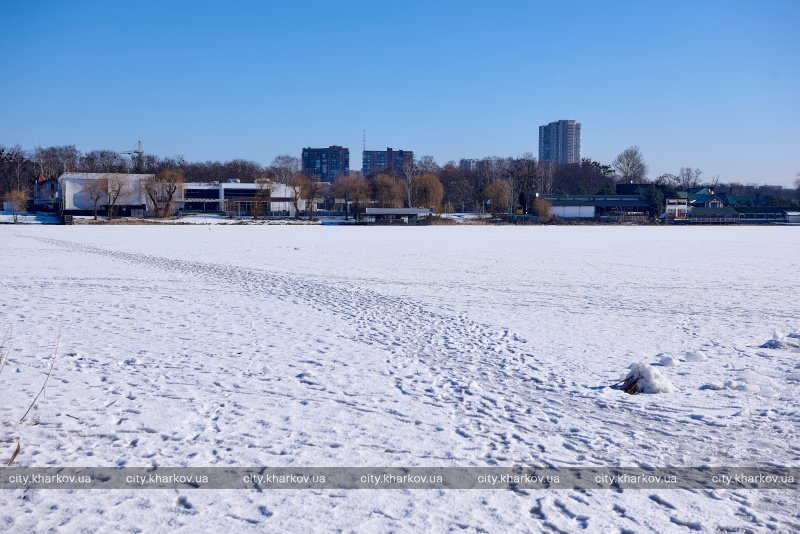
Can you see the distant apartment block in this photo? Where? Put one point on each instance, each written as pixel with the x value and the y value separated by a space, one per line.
pixel 388 161
pixel 560 142
pixel 326 164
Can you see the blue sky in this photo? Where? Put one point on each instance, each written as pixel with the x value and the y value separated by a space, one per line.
pixel 714 85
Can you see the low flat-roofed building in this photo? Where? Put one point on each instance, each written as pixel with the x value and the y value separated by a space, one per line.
pixel 601 207
pixel 268 198
pixel 703 215
pixel 396 216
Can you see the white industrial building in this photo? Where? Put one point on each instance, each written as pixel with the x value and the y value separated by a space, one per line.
pixel 75 199
pixel 231 197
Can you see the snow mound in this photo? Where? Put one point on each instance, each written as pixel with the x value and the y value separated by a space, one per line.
pixel 667 361
pixel 751 382
pixel 695 357
pixel 644 378
pixel 781 341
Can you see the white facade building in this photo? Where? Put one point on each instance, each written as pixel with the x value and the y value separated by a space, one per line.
pixel 75 197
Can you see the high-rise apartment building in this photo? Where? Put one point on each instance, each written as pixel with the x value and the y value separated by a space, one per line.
pixel 560 142
pixel 389 161
pixel 326 163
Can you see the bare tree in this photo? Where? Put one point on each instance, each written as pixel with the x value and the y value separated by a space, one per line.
pixel 428 191
pixel 668 180
pixel 5 169
pixel 797 186
pixel 426 164
pixel 489 170
pixel 689 177
pixel 352 188
pixel 262 198
pixel 102 161
pixel 630 165
pixel 285 167
pixel 498 194
pixel 12 160
pixel 17 157
pixel 96 190
pixel 299 185
pixel 312 189
pixel 408 170
pixel 523 177
pixel 47 161
pixel 118 186
pixel 541 208
pixel 162 189
pixel 242 169
pixel 67 157
pixel 17 201
pixel 458 183
pixel 546 177
pixel 388 191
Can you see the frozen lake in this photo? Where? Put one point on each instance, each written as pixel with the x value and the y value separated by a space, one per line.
pixel 427 346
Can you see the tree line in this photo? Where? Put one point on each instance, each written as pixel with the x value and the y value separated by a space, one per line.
pixel 494 184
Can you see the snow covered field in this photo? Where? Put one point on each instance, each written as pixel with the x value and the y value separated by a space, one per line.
pixel 429 346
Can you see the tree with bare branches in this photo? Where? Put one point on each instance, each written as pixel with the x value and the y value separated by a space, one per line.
pixel 630 165
pixel 541 208
pixel 428 191
pixel 17 200
pixel 299 185
pixel 498 194
pixel 388 191
pixel 96 190
pixel 408 170
pixel 523 174
pixel 353 189
pixel 118 186
pixel 262 201
pixel 689 177
pixel 162 190
pixel 285 167
pixel 312 190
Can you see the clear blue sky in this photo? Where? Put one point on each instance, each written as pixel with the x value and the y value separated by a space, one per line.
pixel 708 84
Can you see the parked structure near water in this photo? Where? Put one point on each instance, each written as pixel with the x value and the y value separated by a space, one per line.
pixel 233 197
pixel 599 207
pixel 396 216
pixel 701 205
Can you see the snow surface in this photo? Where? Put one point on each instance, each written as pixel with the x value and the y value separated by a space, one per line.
pixel 7 217
pixel 368 346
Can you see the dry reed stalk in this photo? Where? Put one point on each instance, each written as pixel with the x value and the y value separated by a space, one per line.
pixel 4 357
pixel 50 372
pixel 14 456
